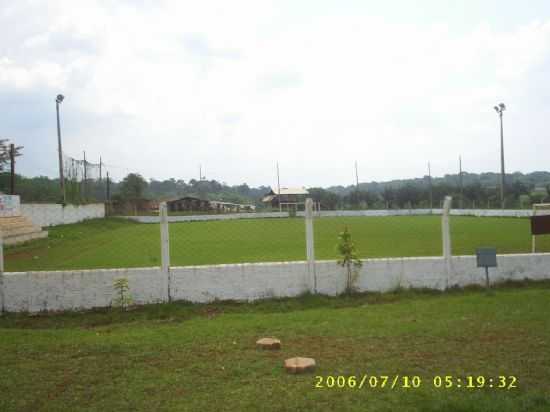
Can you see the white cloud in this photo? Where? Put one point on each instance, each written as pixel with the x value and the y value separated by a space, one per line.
pixel 236 86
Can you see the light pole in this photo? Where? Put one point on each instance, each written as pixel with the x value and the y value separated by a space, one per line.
pixel 500 109
pixel 58 101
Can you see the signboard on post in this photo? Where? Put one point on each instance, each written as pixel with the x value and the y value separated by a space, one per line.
pixel 9 205
pixel 486 258
pixel 540 225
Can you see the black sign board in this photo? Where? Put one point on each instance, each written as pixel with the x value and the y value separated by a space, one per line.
pixel 540 225
pixel 486 257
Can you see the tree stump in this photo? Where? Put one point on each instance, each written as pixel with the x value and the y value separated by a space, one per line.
pixel 269 343
pixel 299 365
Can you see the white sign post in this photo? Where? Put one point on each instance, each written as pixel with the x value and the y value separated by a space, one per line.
pixel 446 237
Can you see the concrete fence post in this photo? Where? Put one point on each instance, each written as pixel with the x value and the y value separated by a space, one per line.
pixel 310 244
pixel 2 297
pixel 165 245
pixel 446 237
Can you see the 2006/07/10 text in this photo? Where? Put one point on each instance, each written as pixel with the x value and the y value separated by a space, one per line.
pixel 415 381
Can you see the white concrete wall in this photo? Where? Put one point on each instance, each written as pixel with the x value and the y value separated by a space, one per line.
pixel 62 290
pixel 423 212
pixel 196 218
pixel 342 213
pixel 86 289
pixel 50 214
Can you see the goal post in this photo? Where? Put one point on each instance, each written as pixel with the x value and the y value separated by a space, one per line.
pixel 539 209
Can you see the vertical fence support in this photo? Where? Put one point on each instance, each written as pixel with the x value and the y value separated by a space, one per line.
pixel 446 236
pixel 310 244
pixel 165 245
pixel 533 239
pixel 2 297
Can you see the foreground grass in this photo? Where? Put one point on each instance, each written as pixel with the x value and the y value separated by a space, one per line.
pixel 202 357
pixel 110 243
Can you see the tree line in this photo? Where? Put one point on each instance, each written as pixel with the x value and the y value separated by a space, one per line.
pixel 411 195
pixel 476 191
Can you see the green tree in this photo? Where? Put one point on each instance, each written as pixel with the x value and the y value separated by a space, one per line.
pixel 348 258
pixel 5 153
pixel 132 187
pixel 329 200
pixel 122 298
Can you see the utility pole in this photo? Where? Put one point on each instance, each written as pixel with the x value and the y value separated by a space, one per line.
pixel 12 169
pixel 356 177
pixel 108 188
pixel 58 101
pixel 430 185
pixel 100 168
pixel 85 177
pixel 461 182
pixel 500 110
pixel 279 189
pixel 108 194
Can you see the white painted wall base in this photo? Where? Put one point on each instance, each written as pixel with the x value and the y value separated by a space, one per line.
pixel 67 290
pixel 341 213
pixel 51 214
pixel 199 218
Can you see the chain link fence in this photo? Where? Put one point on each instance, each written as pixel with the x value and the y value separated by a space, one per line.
pixel 80 237
pixel 236 238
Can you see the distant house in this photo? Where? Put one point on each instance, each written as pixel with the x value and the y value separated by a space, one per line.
pixel 194 204
pixel 287 197
pixel 188 204
pixel 223 207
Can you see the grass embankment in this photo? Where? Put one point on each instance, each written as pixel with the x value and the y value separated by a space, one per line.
pixel 109 243
pixel 186 357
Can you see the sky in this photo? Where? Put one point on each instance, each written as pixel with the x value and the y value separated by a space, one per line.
pixel 161 87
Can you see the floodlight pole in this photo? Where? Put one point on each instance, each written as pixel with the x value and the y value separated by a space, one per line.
pixel 500 109
pixel 58 101
pixel 502 173
pixel 356 177
pixel 279 189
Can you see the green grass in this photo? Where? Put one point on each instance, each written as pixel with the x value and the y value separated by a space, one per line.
pixel 112 242
pixel 185 357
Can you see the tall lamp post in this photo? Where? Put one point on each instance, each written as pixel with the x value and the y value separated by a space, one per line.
pixel 58 101
pixel 500 109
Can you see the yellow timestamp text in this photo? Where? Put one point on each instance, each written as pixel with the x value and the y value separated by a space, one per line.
pixel 396 381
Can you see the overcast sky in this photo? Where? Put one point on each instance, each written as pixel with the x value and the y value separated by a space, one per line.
pixel 159 87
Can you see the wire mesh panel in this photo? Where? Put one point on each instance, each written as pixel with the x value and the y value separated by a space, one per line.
pixel 235 238
pixel 506 234
pixel 376 236
pixel 96 243
pixel 84 181
pixel 77 235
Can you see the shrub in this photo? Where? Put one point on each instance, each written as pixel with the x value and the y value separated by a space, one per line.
pixel 122 299
pixel 348 259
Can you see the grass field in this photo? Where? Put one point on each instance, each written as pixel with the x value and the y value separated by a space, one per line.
pixel 184 357
pixel 109 243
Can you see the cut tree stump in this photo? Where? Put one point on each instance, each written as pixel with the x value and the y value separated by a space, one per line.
pixel 299 365
pixel 269 343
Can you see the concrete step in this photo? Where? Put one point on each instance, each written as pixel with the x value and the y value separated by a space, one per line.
pixel 20 230
pixel 14 221
pixel 12 240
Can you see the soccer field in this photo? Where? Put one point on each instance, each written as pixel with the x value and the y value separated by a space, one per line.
pixel 117 243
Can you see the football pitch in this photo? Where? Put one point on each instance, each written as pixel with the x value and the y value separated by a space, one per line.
pixel 119 243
